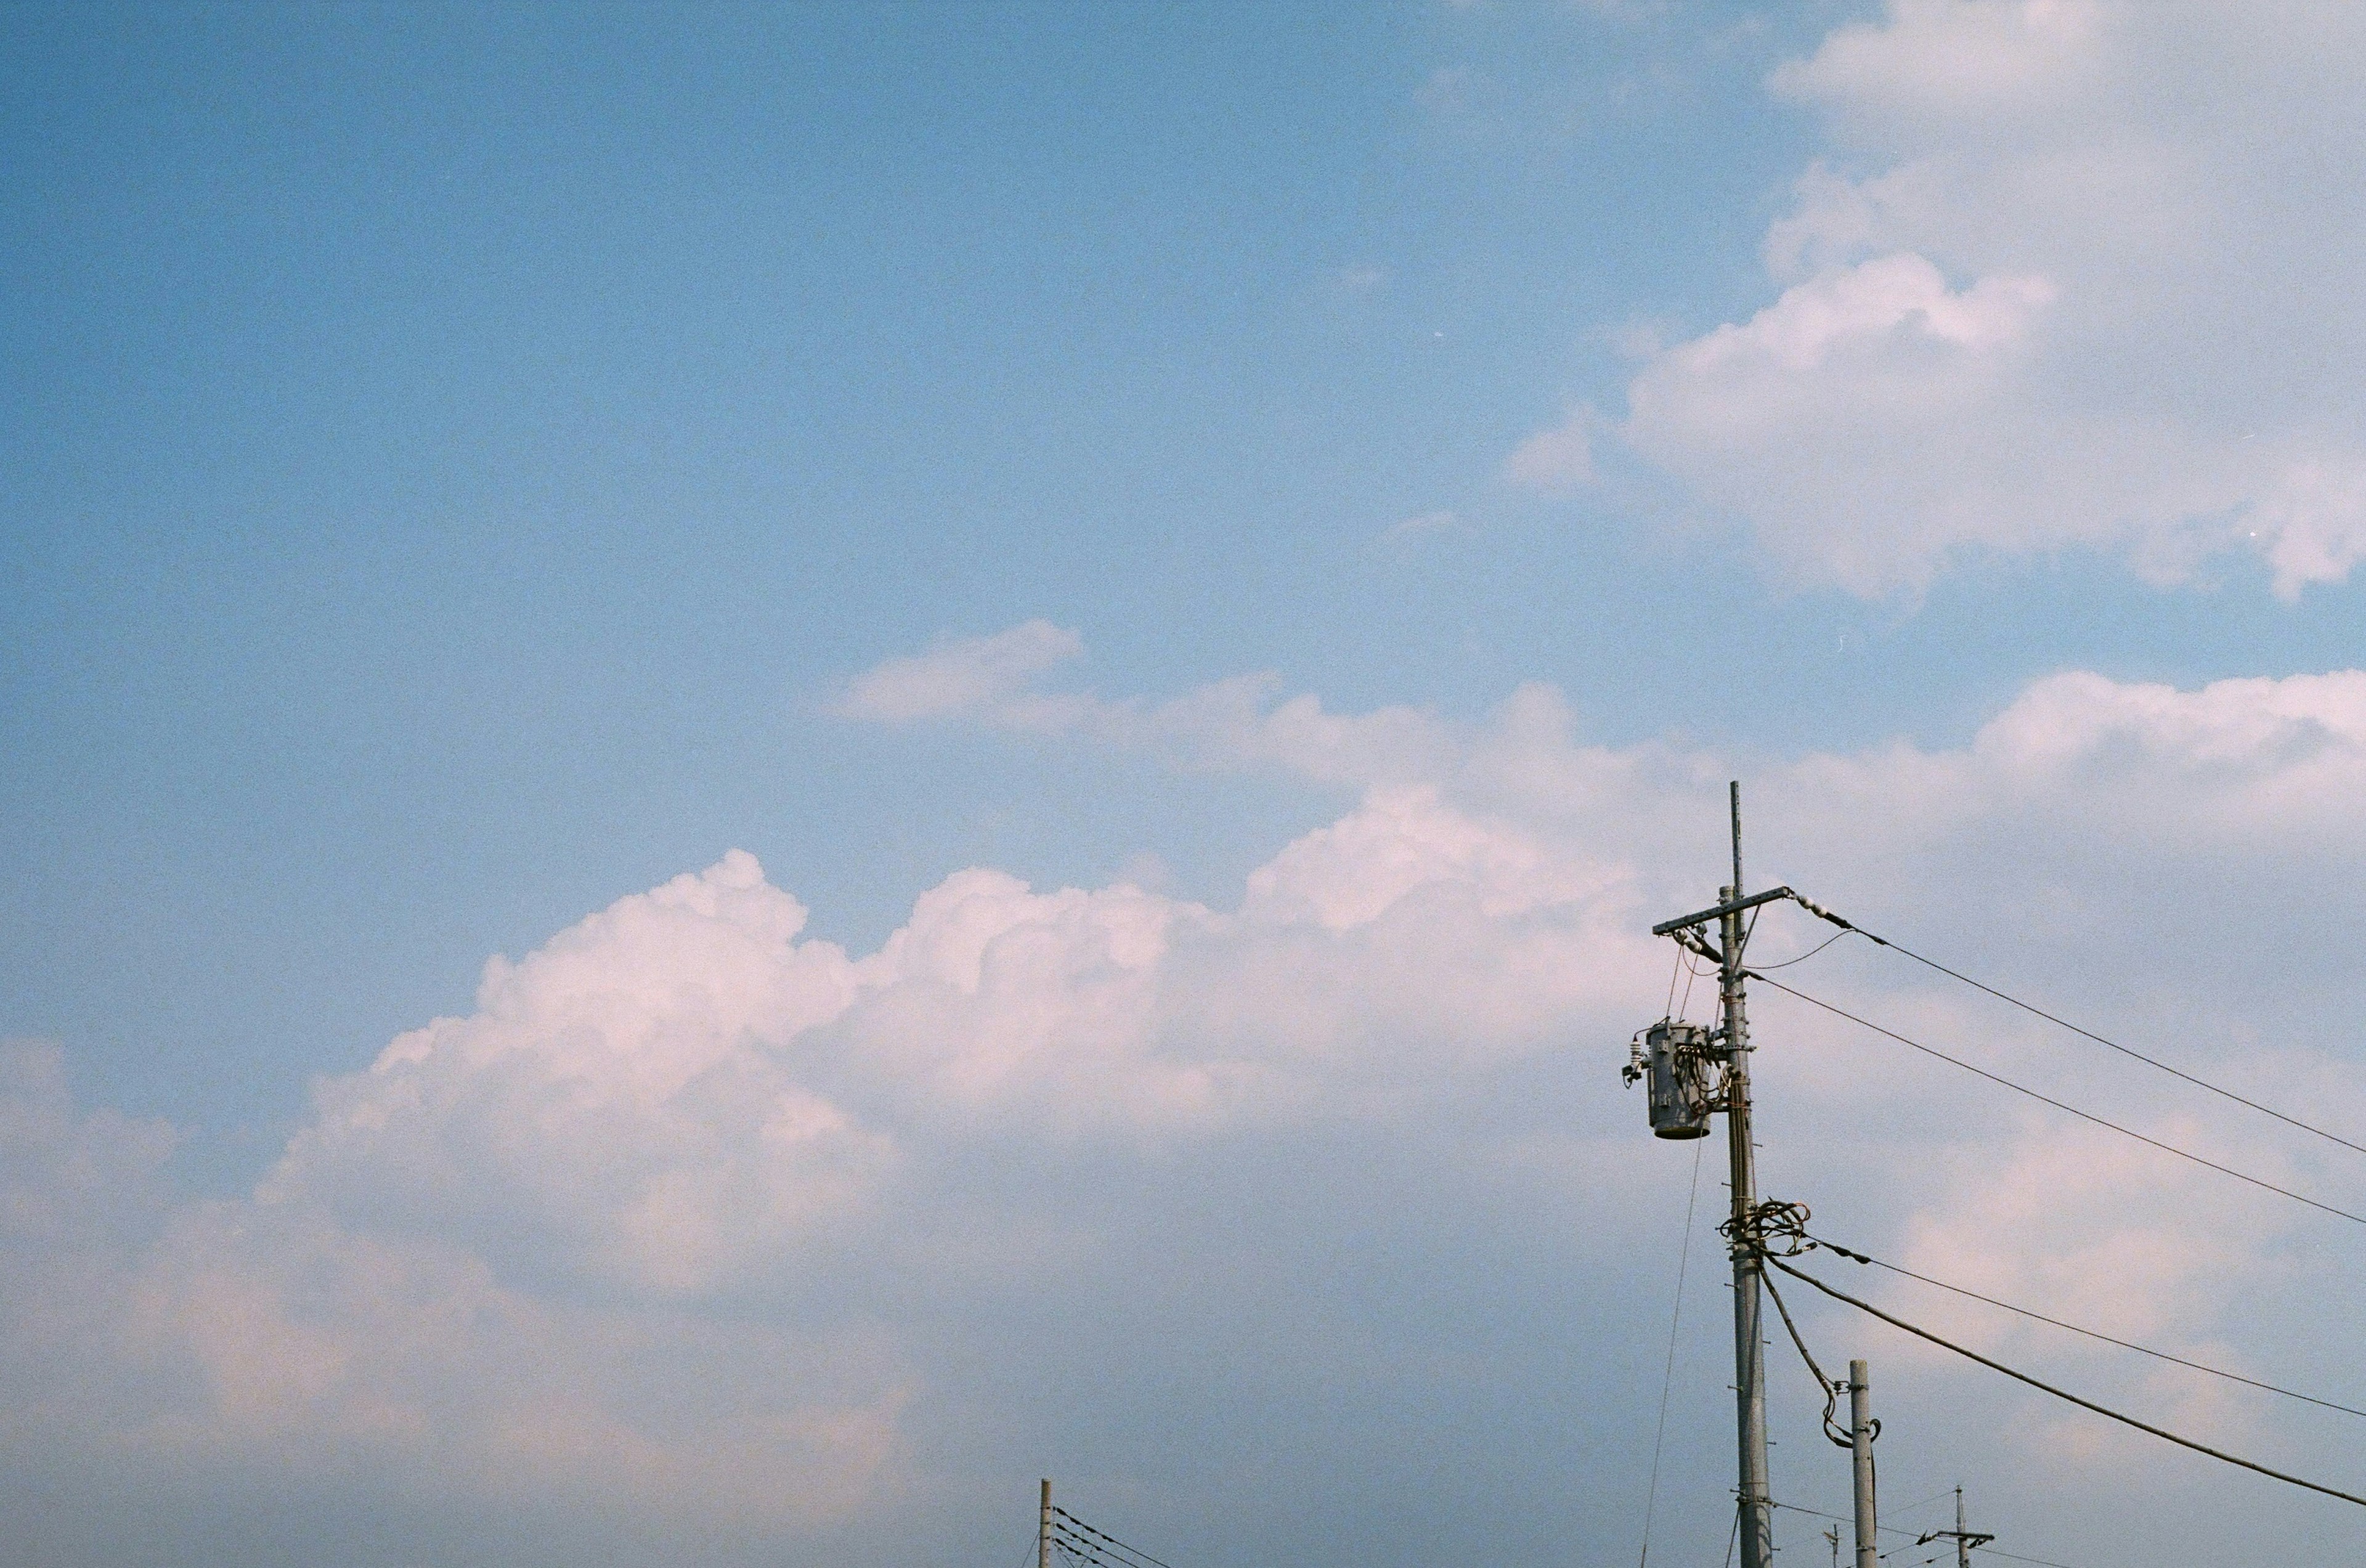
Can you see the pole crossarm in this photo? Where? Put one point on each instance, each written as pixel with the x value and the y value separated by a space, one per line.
pixel 1734 908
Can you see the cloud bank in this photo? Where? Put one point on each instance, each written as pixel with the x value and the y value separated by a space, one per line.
pixel 687 1220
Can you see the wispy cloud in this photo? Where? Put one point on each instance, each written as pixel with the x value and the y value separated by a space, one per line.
pixel 989 679
pixel 1557 460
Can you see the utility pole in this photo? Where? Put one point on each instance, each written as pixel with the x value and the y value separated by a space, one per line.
pixel 1043 1528
pixel 1861 1462
pixel 1677 1063
pixel 1964 1538
pixel 1833 1535
pixel 1757 1533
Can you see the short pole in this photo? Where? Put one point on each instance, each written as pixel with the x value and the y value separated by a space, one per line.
pixel 1861 1457
pixel 1043 1528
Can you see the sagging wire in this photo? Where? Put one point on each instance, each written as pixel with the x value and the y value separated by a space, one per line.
pixel 1848 927
pixel 1888 1529
pixel 1785 1224
pixel 2126 1420
pixel 1831 1390
pixel 1856 1256
pixel 1836 936
pixel 1104 1535
pixel 1083 1551
pixel 1668 1375
pixel 2260 1182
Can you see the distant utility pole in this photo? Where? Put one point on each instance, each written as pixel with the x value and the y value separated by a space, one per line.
pixel 1677 1059
pixel 1043 1528
pixel 1965 1540
pixel 1868 1524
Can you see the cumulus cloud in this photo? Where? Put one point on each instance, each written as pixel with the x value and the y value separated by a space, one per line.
pixel 2073 302
pixel 697 1214
pixel 618 1096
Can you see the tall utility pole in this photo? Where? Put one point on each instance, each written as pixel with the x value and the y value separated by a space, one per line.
pixel 1677 1063
pixel 1757 1531
pixel 1868 1525
pixel 1043 1528
pixel 1963 1538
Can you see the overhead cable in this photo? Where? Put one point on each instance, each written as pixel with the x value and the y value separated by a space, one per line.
pixel 1105 1536
pixel 1824 1385
pixel 1888 1529
pixel 2125 1420
pixel 1856 1256
pixel 2260 1182
pixel 1848 926
pixel 1668 1374
pixel 1083 1551
pixel 1077 1546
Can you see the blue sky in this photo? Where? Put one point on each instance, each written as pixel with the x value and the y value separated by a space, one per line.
pixel 461 445
pixel 462 463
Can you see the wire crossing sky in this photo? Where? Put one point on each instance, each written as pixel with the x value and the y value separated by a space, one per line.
pixel 770 766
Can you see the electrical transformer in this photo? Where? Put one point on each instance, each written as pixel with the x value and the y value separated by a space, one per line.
pixel 1673 1060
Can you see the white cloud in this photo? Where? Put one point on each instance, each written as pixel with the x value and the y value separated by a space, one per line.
pixel 986 678
pixel 616 1098
pixel 2076 301
pixel 1419 526
pixel 1229 724
pixel 690 1214
pixel 1557 459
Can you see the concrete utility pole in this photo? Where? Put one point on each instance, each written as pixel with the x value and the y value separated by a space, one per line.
pixel 1677 1062
pixel 1861 1462
pixel 1043 1528
pixel 1754 1499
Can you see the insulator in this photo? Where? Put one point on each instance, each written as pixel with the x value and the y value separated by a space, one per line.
pixel 1675 1060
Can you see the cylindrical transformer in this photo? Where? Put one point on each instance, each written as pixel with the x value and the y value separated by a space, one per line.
pixel 1675 1058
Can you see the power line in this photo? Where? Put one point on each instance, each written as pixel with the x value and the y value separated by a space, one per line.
pixel 1668 1376
pixel 1104 1535
pixel 1829 1389
pixel 2167 1436
pixel 2091 1333
pixel 1888 1530
pixel 1934 1497
pixel 1084 1551
pixel 2260 1182
pixel 2034 1010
